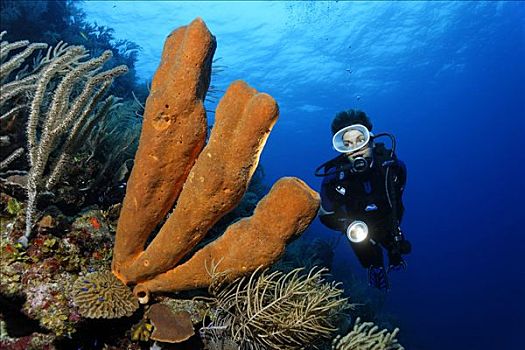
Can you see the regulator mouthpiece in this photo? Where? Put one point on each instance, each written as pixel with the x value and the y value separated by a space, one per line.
pixel 360 164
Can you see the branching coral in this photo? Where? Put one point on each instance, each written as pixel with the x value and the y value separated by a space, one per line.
pixel 11 64
pixel 367 336
pixel 279 311
pixel 114 139
pixel 68 115
pixel 18 82
pixel 15 82
pixel 65 93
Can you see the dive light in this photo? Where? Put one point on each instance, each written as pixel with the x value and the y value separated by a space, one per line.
pixel 357 231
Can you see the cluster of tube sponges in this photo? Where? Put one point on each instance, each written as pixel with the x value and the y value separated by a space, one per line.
pixel 206 178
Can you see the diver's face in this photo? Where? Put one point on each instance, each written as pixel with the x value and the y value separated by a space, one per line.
pixel 355 139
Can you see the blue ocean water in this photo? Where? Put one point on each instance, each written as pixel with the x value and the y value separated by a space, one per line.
pixel 447 78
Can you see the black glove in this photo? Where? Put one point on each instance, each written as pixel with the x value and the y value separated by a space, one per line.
pixel 404 247
pixel 395 260
pixel 401 245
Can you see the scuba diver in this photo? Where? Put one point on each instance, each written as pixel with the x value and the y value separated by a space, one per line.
pixel 361 195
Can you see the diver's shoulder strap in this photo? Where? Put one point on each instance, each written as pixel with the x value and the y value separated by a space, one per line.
pixel 329 168
pixel 391 168
pixel 334 163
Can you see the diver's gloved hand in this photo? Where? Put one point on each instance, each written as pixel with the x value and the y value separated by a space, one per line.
pixel 378 278
pixel 401 265
pixel 395 261
pixel 405 247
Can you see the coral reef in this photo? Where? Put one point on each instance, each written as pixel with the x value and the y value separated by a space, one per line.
pixel 369 302
pixel 47 299
pixel 207 181
pixel 218 343
pixel 171 320
pixel 92 173
pixel 34 341
pixel 195 308
pixel 141 331
pixel 49 271
pixel 43 274
pixel 367 336
pixel 101 295
pixel 194 215
pixel 276 310
pixel 109 149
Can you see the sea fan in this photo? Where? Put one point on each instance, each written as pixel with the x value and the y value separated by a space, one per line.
pixel 279 311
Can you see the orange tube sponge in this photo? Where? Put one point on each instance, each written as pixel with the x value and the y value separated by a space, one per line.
pixel 218 180
pixel 173 134
pixel 250 243
pixel 206 182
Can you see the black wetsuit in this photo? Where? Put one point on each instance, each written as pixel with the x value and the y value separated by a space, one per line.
pixel 347 196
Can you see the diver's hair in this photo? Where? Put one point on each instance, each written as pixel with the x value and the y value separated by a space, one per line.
pixel 350 117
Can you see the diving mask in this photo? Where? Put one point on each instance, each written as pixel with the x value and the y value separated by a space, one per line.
pixel 351 138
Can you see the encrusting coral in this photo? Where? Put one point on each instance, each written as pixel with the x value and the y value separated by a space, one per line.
pixel 367 336
pixel 173 164
pixel 101 295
